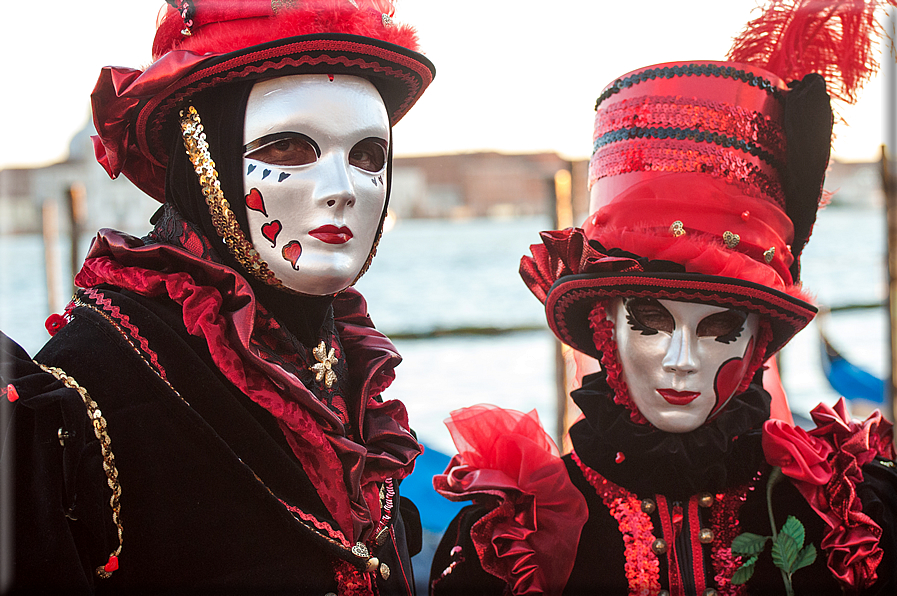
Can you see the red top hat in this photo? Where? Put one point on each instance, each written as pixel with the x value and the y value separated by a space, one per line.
pixel 706 176
pixel 201 44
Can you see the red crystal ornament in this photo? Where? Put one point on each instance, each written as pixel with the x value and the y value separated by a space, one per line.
pixel 11 393
pixel 620 458
pixel 111 565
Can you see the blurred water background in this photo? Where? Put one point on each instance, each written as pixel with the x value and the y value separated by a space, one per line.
pixel 432 275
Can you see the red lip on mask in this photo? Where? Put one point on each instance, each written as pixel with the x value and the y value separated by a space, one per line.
pixel 332 234
pixel 678 398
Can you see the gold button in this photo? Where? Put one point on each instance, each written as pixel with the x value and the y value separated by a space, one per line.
pixel 705 536
pixel 709 592
pixel 663 593
pixel 731 239
pixel 360 550
pixel 649 506
pixel 373 564
pixel 384 571
pixel 659 546
pixel 705 500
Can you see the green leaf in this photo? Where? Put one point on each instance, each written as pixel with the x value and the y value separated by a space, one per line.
pixel 784 552
pixel 744 573
pixel 805 557
pixel 748 544
pixel 795 529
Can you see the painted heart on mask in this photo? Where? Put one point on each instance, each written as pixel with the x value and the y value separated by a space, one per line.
pixel 271 230
pixel 255 202
pixel 730 375
pixel 291 252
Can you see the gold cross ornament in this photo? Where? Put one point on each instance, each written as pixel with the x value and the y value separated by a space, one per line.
pixel 323 369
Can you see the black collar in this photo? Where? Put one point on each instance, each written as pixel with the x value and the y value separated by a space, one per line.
pixel 722 453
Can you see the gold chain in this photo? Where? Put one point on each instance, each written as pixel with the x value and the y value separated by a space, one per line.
pixel 99 429
pixel 223 218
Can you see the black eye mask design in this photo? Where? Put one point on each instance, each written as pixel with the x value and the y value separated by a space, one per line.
pixel 648 316
pixel 725 327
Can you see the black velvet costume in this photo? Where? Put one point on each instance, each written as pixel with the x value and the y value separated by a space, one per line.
pixel 205 472
pixel 718 458
pixel 214 498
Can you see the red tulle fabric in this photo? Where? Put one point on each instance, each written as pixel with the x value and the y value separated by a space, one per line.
pixel 505 457
pixel 698 254
pixel 219 306
pixel 825 466
pixel 566 252
pixel 793 38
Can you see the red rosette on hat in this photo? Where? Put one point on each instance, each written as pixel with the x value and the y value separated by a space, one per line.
pixel 202 44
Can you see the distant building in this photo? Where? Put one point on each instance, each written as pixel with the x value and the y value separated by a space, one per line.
pixel 110 203
pixel 482 184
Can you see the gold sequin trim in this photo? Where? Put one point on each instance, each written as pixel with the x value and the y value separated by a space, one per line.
pixel 99 429
pixel 223 218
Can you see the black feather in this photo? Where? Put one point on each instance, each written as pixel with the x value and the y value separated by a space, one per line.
pixel 808 135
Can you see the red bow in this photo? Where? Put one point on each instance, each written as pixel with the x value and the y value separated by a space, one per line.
pixel 116 100
pixel 566 252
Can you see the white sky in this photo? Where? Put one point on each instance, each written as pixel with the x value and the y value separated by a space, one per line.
pixel 512 76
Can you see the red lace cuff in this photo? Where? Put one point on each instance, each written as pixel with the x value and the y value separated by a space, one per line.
pixel 825 465
pixel 531 537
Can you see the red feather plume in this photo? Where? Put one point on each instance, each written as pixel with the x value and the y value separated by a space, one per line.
pixel 833 38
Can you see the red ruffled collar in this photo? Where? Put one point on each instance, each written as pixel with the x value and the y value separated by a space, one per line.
pixel 825 464
pixel 219 305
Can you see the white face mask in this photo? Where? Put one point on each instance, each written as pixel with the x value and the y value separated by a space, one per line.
pixel 314 177
pixel 682 361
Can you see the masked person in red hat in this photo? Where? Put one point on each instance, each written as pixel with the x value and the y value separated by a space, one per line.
pixel 705 181
pixel 207 416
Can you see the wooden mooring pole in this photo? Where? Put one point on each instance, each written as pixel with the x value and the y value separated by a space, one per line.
pixel 889 186
pixel 563 218
pixel 77 211
pixel 50 221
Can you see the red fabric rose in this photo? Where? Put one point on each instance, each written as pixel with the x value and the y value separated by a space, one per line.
pixel 802 457
pixel 825 465
pixel 530 538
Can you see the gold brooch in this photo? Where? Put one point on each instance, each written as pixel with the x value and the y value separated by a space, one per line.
pixel 324 367
pixel 769 254
pixel 731 239
pixel 677 229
